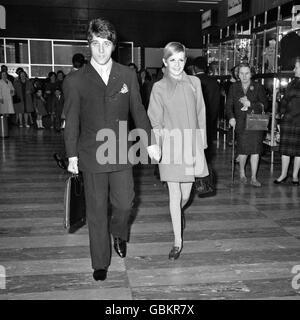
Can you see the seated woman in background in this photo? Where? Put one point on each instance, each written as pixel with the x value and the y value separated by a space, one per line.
pixel 290 128
pixel 244 97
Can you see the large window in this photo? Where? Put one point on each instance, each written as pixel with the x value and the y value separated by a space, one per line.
pixel 40 56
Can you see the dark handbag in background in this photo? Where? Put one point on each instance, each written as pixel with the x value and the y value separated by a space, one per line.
pixel 257 121
pixel 206 186
pixel 74 203
pixel 16 99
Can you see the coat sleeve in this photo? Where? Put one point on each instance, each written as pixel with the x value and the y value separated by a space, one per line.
pixel 201 113
pixel 72 114
pixel 156 113
pixel 138 111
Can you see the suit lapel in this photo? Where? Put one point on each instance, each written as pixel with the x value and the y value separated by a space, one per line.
pixel 93 75
pixel 115 81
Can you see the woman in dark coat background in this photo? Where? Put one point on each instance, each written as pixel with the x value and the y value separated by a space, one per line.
pixel 244 97
pixel 290 128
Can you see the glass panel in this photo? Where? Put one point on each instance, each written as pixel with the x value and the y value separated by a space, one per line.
pixel 16 51
pixel 40 71
pixel 1 51
pixel 64 51
pixel 125 53
pixel 258 52
pixel 40 52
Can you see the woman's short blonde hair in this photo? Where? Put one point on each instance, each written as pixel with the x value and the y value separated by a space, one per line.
pixel 173 47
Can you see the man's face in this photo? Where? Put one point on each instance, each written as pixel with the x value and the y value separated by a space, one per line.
pixel 101 49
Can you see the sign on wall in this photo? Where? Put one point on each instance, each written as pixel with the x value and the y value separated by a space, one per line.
pixel 2 18
pixel 206 19
pixel 234 7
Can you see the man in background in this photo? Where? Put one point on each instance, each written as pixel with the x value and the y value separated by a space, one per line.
pixel 211 94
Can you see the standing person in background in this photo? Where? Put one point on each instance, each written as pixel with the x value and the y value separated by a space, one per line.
pixel 9 76
pixel 211 94
pixel 24 90
pixel 177 105
pixel 49 95
pixel 39 104
pixel 78 61
pixel 98 97
pixel 6 92
pixel 246 96
pixel 60 76
pixel 290 129
pixel 58 106
pixel 146 86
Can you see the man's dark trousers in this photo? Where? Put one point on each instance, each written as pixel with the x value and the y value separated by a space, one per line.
pixel 119 187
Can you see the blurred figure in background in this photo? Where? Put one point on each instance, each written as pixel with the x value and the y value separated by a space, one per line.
pixel 290 129
pixel 211 94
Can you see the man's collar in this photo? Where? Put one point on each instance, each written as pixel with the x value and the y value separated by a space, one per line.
pixel 97 66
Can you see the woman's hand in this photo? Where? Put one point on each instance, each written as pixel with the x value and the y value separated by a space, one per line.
pixel 245 102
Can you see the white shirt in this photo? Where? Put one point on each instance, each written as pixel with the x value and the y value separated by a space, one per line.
pixel 103 70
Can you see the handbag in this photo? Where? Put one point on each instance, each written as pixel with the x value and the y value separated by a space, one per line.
pixel 74 203
pixel 16 99
pixel 257 121
pixel 205 186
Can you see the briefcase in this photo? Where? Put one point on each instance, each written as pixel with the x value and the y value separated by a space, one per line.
pixel 74 203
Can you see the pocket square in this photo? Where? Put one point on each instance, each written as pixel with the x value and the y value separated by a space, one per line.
pixel 124 89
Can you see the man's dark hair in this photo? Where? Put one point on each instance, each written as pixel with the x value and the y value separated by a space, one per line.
pixel 201 63
pixel 78 60
pixel 103 29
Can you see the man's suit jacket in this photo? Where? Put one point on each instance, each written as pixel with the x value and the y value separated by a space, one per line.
pixel 211 94
pixel 90 106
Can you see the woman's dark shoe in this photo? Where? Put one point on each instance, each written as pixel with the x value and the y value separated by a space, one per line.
pixel 296 183
pixel 281 181
pixel 175 253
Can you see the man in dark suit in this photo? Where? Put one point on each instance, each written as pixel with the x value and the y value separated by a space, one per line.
pixel 211 94
pixel 98 97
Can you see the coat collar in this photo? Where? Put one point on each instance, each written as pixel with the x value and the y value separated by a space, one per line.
pixel 172 83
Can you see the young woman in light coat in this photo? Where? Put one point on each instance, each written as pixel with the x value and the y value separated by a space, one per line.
pixel 177 114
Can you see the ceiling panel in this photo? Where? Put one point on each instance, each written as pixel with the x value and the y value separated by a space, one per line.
pixel 140 5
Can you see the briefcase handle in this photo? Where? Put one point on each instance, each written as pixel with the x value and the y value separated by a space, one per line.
pixel 263 108
pixel 79 190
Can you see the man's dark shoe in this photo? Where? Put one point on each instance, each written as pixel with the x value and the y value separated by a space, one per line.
pixel 100 274
pixel 120 247
pixel 59 161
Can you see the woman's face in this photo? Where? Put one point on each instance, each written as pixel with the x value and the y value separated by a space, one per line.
pixel 297 69
pixel 245 75
pixel 22 76
pixel 3 76
pixel 175 64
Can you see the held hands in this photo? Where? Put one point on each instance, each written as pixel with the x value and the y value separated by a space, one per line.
pixel 73 165
pixel 232 122
pixel 154 152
